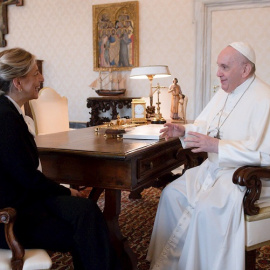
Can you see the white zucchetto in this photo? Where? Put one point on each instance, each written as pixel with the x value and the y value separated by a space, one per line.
pixel 245 49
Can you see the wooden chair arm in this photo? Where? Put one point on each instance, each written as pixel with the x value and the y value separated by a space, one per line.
pixel 8 216
pixel 190 159
pixel 249 176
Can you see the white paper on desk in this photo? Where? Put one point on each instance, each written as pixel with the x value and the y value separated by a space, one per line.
pixel 144 132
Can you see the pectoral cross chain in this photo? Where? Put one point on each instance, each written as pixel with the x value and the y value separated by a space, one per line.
pixel 217 135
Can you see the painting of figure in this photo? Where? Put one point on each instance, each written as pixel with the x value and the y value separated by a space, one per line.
pixel 115 36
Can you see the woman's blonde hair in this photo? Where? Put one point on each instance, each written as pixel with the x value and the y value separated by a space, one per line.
pixel 14 63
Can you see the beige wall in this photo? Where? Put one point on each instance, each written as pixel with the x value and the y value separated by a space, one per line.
pixel 250 25
pixel 60 33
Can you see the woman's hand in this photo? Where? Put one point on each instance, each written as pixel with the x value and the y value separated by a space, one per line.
pixel 172 130
pixel 201 143
pixel 76 193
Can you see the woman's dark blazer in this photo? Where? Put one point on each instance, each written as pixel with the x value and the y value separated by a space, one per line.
pixel 21 183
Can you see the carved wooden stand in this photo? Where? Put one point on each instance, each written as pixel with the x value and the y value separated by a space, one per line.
pixel 104 104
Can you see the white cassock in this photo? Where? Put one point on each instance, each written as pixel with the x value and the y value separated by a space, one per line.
pixel 199 223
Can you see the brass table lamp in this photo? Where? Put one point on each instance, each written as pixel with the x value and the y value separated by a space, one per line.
pixel 150 72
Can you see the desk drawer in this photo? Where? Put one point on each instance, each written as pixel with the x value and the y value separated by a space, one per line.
pixel 159 162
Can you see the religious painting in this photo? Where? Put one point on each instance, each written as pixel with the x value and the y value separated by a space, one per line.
pixel 116 36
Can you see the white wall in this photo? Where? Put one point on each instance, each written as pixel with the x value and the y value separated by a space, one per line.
pixel 60 33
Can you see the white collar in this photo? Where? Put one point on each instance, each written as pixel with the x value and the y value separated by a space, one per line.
pixel 242 87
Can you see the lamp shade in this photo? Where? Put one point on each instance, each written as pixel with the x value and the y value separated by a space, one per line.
pixel 148 72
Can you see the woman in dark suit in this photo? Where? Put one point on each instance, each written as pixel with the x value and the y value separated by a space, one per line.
pixel 49 216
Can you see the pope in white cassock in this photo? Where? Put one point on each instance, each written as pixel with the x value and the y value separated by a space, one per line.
pixel 199 223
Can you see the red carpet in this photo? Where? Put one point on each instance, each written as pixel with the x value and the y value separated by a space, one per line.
pixel 136 222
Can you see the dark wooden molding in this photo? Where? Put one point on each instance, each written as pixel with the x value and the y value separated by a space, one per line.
pixel 8 216
pixel 4 18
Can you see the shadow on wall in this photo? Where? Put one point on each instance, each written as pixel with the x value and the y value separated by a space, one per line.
pixel 77 125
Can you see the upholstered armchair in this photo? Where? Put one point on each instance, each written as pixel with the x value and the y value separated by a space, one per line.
pixel 17 258
pixel 257 220
pixel 50 112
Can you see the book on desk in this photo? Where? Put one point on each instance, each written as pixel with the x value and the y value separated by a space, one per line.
pixel 144 132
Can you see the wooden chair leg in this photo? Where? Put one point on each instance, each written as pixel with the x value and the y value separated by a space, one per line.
pixel 250 259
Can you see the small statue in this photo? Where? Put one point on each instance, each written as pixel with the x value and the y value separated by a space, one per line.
pixel 177 101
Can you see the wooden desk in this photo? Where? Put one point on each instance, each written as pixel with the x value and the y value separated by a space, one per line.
pixel 83 157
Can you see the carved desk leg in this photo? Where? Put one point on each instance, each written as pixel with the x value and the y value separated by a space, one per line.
pixel 111 213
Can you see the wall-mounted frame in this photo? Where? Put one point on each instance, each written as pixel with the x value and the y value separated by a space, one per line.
pixel 116 36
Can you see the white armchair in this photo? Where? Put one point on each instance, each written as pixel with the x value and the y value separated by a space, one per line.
pixel 16 258
pixel 50 112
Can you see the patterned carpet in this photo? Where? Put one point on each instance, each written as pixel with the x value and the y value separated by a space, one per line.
pixel 136 222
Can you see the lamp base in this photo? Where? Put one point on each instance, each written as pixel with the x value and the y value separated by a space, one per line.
pixel 158 121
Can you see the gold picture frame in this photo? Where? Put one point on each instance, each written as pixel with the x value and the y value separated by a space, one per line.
pixel 116 36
